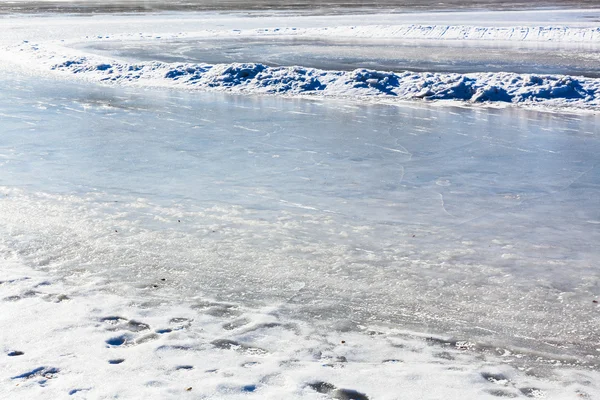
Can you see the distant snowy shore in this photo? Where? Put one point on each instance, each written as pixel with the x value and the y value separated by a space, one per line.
pixel 530 34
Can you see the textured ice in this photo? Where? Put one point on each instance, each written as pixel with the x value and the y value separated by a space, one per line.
pixel 175 243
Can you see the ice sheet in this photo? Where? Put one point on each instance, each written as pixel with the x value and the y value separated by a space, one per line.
pixel 189 244
pixel 286 230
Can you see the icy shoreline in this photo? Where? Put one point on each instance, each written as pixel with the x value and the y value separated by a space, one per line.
pixel 66 58
pixel 249 78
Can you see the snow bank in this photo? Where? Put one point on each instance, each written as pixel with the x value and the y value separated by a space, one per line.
pixel 514 88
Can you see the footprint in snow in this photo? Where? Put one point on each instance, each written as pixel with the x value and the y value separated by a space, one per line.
pixel 335 393
pixel 498 379
pixel 45 372
pixel 227 344
pixel 533 392
pixel 74 391
pixel 119 323
pixel 128 340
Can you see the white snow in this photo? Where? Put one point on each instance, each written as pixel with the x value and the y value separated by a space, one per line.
pixel 76 333
pixel 545 90
pixel 153 246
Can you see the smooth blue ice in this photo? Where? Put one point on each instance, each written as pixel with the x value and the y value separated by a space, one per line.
pixel 477 223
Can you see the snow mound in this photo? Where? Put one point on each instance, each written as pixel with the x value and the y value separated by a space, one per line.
pixel 255 78
pixel 552 90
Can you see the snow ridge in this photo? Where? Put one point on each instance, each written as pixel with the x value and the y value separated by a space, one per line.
pixel 552 90
pixel 561 34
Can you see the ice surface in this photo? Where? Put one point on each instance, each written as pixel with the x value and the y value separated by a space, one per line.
pixel 347 54
pixel 199 244
pixel 354 218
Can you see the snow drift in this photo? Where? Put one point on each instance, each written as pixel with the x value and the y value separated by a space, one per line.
pixel 551 90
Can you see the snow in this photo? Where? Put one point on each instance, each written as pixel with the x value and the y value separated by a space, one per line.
pixel 67 58
pixel 187 243
pixel 545 90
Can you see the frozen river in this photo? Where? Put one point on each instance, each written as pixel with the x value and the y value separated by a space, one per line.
pixel 474 223
pixel 177 240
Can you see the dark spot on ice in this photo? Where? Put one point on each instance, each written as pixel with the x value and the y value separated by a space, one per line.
pixel 532 392
pixel 135 326
pixel 583 395
pixel 62 297
pixel 72 392
pixel 595 301
pixel 154 286
pixel 340 394
pixel 163 279
pixel 46 372
pixel 348 394
pixel 103 67
pixel 236 324
pixel 188 389
pixel 249 364
pixel 113 320
pixel 502 393
pixel 343 342
pixel 322 387
pixel 15 353
pixel 179 347
pixel 493 377
pixel 187 367
pixel 440 341
pixel 162 331
pixel 116 361
pixel 224 310
pixel 227 344
pixel 147 338
pixel 178 320
pixel 445 355
pixel 117 341
pixel 249 388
